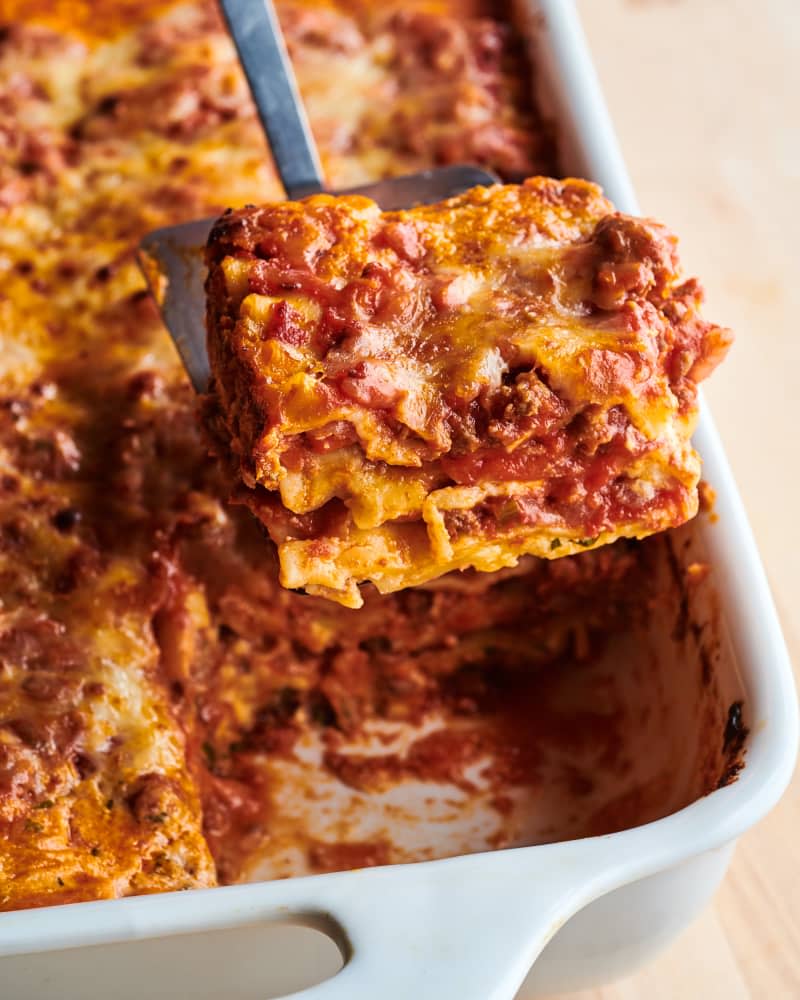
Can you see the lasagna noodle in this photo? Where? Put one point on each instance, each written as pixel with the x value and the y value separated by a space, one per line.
pixel 405 394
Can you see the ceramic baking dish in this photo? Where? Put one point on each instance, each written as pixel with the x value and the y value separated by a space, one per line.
pixel 527 921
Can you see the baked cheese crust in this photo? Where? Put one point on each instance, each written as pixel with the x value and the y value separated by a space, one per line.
pixel 403 394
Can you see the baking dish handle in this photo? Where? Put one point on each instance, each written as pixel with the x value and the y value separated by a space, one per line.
pixel 469 927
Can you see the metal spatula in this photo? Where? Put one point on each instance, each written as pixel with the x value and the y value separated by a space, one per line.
pixel 172 258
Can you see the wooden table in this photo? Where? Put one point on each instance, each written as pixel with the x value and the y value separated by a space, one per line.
pixel 711 132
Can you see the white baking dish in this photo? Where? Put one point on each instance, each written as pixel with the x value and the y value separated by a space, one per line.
pixel 471 927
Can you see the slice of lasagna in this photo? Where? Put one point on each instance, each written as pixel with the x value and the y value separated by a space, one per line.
pixel 402 394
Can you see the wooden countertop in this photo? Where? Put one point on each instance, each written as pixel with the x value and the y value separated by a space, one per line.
pixel 711 133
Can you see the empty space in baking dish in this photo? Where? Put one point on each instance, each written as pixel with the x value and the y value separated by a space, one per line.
pixel 650 723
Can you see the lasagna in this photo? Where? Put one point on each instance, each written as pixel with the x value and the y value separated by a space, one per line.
pixel 152 670
pixel 404 394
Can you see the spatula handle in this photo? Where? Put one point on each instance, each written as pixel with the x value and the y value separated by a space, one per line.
pixel 257 36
